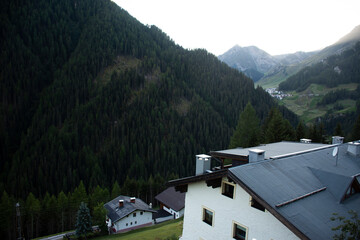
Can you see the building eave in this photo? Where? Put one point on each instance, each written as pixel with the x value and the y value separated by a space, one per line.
pixel 210 178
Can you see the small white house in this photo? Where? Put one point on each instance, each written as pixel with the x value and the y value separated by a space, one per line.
pixel 127 213
pixel 172 202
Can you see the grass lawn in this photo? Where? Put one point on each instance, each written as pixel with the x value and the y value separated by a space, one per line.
pixel 160 231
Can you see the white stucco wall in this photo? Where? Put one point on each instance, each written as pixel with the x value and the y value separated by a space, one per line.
pixel 261 225
pixel 132 221
pixel 172 212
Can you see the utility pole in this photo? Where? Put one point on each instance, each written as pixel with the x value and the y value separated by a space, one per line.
pixel 18 217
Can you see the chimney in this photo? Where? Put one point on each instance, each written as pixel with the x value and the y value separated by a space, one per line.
pixel 150 205
pixel 354 148
pixel 132 200
pixel 121 203
pixel 337 140
pixel 256 155
pixel 203 163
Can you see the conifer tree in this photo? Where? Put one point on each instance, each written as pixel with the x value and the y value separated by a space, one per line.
pixel 277 129
pixel 247 132
pixel 338 131
pixel 300 131
pixel 62 204
pixel 83 221
pixel 115 192
pixel 356 130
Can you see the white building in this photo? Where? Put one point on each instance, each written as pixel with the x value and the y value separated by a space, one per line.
pixel 172 202
pixel 287 194
pixel 125 214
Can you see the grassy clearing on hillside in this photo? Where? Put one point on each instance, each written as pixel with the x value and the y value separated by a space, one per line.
pixel 304 104
pixel 160 231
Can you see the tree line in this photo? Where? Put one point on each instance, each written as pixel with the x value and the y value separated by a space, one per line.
pixel 41 216
pixel 249 132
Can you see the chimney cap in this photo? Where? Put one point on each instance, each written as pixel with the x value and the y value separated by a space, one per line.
pixel 256 150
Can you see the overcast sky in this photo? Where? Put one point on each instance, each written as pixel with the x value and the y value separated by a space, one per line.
pixel 275 26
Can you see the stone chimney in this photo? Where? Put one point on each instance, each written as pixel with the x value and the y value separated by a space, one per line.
pixel 132 200
pixel 121 203
pixel 256 155
pixel 354 148
pixel 203 163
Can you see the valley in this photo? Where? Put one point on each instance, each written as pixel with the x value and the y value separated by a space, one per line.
pixel 304 103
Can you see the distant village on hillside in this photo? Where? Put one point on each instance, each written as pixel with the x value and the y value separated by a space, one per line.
pixel 277 94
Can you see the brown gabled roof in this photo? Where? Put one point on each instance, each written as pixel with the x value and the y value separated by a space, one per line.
pixel 172 199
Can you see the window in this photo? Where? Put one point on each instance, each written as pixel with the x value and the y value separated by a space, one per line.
pixel 135 222
pixel 208 216
pixel 228 189
pixel 256 204
pixel 141 213
pixel 239 231
pixel 127 224
pixel 134 214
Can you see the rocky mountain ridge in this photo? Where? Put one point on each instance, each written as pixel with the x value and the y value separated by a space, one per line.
pixel 268 70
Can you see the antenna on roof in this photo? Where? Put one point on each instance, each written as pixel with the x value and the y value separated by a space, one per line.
pixel 335 154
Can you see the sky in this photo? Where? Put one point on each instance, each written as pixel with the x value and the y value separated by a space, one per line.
pixel 275 26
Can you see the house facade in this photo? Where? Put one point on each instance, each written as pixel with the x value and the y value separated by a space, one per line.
pixel 217 213
pixel 172 202
pixel 127 213
pixel 285 191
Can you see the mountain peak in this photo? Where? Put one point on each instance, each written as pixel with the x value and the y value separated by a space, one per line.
pixel 249 59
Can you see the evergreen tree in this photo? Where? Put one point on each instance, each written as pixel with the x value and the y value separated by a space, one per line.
pixel 32 208
pixel 356 130
pixel 62 204
pixel 83 221
pixel 7 215
pixel 300 131
pixel 338 131
pixel 277 128
pixel 99 214
pixel 247 132
pixel 115 191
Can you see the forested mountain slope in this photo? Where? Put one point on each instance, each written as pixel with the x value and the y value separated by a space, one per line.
pixel 89 93
pixel 339 72
pixel 335 70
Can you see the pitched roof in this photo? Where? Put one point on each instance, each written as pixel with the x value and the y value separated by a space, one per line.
pixel 172 198
pixel 115 213
pixel 304 190
pixel 271 149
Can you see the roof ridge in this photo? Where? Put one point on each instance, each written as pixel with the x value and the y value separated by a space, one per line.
pixel 302 152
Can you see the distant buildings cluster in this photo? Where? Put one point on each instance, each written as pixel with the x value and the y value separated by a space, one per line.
pixel 277 94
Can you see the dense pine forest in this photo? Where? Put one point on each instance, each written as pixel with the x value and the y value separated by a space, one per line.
pixel 94 104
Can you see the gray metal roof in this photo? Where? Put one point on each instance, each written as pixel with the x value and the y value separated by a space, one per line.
pixel 306 189
pixel 275 149
pixel 172 198
pixel 115 213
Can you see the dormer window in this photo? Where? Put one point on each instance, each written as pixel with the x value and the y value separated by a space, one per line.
pixel 228 189
pixel 353 188
pixel 256 204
